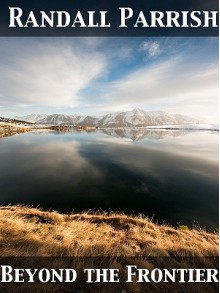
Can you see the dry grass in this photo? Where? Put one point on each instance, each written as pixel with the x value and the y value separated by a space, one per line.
pixel 31 232
pixel 27 231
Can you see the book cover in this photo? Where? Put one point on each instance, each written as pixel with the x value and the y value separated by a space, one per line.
pixel 109 136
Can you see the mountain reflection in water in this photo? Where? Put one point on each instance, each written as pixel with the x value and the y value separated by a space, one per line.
pixel 139 134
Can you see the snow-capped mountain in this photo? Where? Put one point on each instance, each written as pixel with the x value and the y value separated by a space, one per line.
pixel 134 118
pixel 59 119
pixel 33 118
pixel 140 118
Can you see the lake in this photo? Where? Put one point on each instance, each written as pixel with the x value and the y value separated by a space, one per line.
pixel 170 176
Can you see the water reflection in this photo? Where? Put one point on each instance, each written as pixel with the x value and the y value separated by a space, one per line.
pixel 137 134
pixel 174 178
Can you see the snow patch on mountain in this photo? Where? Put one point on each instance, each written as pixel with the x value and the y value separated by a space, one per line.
pixel 33 118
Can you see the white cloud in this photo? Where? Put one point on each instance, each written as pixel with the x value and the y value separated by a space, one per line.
pixel 68 76
pixel 171 85
pixel 151 48
pixel 48 74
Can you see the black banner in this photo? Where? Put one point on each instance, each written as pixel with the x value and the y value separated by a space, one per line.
pixel 112 18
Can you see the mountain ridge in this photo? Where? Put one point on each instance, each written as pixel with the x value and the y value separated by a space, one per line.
pixel 133 118
pixel 14 121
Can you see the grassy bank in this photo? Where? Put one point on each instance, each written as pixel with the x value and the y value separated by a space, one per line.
pixel 30 231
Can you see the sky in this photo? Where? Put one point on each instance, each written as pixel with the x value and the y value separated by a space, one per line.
pixel 96 76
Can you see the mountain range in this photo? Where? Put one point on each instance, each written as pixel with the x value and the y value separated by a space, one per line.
pixel 133 118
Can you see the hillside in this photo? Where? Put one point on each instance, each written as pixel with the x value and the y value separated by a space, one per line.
pixel 102 241
pixel 13 121
pixel 34 232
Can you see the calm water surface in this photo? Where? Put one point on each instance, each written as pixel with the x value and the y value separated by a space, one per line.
pixel 171 176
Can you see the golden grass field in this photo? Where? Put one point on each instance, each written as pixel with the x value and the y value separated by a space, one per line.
pixel 32 232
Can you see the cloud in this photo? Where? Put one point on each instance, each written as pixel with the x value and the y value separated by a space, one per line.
pixel 151 48
pixel 174 85
pixel 102 75
pixel 48 74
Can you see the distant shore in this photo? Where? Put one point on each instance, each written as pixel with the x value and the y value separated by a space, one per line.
pixel 11 129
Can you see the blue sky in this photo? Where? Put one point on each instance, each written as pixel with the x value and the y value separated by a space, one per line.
pixel 101 75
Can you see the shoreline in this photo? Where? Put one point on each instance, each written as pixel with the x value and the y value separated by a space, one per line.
pixel 8 130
